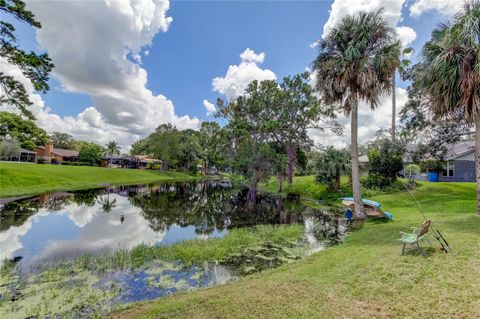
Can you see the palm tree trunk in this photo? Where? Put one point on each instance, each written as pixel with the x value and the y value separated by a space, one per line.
pixel 477 161
pixel 394 108
pixel 357 192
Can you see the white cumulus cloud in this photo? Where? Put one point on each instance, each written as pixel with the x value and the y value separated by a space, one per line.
pixel 210 107
pixel 239 76
pixel 444 7
pixel 369 122
pixel 96 47
pixel 392 12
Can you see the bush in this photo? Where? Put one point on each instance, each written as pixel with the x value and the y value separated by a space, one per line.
pixel 54 161
pixel 90 153
pixel 432 166
pixel 377 181
pixel 386 160
pixel 411 171
pixel 78 164
pixel 41 161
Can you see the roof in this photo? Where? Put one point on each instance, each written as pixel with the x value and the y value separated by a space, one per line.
pixel 62 152
pixel 22 150
pixel 460 149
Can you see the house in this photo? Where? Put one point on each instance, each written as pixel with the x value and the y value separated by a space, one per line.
pixel 49 153
pixel 459 163
pixel 23 156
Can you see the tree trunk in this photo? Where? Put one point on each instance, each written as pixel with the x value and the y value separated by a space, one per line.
pixel 252 196
pixel 291 165
pixel 357 192
pixel 337 184
pixel 394 108
pixel 280 181
pixel 477 161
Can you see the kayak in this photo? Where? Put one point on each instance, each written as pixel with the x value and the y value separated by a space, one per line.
pixel 372 208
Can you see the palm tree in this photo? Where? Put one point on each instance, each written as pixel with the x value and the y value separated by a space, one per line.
pixel 356 62
pixel 331 165
pixel 112 148
pixel 402 64
pixel 107 204
pixel 450 72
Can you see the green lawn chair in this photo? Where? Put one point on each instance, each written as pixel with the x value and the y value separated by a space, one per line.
pixel 416 236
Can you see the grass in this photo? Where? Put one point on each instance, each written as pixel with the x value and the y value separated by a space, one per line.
pixel 363 278
pixel 195 251
pixel 17 179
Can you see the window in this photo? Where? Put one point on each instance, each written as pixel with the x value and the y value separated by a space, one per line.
pixel 449 169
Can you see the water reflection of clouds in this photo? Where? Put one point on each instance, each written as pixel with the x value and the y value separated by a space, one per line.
pixel 99 231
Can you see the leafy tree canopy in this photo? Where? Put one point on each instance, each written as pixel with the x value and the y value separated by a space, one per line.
pixel 36 67
pixel 26 132
pixel 90 153
pixel 62 140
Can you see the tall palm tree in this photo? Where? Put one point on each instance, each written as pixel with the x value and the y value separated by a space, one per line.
pixel 402 64
pixel 450 72
pixel 112 148
pixel 356 62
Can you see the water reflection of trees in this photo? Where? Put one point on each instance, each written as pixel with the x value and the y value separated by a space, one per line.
pixel 208 206
pixel 16 213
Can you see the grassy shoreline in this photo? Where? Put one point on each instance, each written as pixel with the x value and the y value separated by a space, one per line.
pixel 19 179
pixel 363 278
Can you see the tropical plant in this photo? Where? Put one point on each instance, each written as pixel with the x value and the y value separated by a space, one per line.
pixel 107 204
pixel 111 149
pixel 33 66
pixel 356 62
pixel 450 74
pixel 331 165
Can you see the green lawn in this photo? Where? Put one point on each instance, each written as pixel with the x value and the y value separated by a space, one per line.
pixel 18 179
pixel 366 277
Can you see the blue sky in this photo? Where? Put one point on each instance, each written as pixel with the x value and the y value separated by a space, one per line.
pixel 202 41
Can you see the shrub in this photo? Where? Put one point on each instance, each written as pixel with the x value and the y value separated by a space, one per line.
pixel 41 161
pixel 54 161
pixel 90 153
pixel 432 166
pixel 386 160
pixel 411 171
pixel 376 181
pixel 331 165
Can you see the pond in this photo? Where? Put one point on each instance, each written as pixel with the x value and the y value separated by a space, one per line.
pixel 49 243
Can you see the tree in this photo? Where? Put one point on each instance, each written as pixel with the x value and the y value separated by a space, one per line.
pixel 211 145
pixel 111 149
pixel 331 165
pixel 386 159
pixel 33 66
pixel 402 64
pixel 450 76
pixel 292 110
pixel 9 148
pixel 62 140
pixel 356 62
pixel 90 153
pixel 26 132
pixel 140 147
pixel 250 148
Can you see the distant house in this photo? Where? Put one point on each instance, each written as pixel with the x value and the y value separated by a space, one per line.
pixel 136 161
pixel 49 153
pixel 23 156
pixel 459 163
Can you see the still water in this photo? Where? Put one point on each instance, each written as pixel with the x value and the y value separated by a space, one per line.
pixel 48 228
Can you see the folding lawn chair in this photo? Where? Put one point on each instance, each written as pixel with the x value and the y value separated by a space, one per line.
pixel 416 236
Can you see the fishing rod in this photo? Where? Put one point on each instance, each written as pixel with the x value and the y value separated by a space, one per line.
pixel 437 234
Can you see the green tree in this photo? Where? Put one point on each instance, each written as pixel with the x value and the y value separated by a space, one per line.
pixel 26 132
pixel 35 67
pixel 386 159
pixel 331 165
pixel 356 62
pixel 112 148
pixel 62 140
pixel 293 108
pixel 250 149
pixel 90 153
pixel 450 76
pixel 9 148
pixel 211 145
